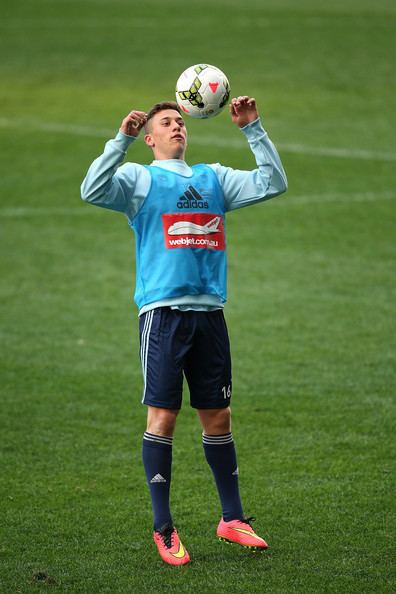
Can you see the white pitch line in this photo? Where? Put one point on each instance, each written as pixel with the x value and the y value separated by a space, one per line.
pixel 40 211
pixel 106 133
pixel 72 129
pixel 334 197
pixel 341 153
pixel 85 209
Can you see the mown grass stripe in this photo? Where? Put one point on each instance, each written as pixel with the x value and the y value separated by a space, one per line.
pixel 19 212
pixel 79 130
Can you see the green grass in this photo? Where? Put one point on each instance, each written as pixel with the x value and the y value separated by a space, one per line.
pixel 311 300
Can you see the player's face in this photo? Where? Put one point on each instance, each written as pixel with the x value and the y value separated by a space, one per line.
pixel 167 135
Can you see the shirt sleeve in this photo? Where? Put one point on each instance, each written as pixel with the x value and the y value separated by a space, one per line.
pixel 118 188
pixel 242 188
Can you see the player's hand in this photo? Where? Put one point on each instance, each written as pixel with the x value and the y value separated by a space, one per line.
pixel 133 123
pixel 243 110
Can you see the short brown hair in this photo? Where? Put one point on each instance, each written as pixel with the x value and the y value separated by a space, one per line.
pixel 161 107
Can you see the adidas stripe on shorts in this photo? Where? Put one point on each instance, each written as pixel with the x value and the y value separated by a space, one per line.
pixel 195 344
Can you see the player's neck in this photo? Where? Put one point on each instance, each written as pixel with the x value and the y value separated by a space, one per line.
pixel 171 155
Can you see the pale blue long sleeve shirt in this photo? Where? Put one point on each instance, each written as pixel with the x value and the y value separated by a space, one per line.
pixel 123 188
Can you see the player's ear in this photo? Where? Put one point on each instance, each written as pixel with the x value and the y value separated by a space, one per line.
pixel 148 139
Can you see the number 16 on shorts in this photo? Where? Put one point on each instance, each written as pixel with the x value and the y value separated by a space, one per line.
pixel 226 391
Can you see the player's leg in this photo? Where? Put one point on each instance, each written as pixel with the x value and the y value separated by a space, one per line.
pixel 209 376
pixel 162 362
pixel 208 372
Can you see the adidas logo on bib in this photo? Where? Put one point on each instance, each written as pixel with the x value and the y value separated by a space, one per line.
pixel 191 199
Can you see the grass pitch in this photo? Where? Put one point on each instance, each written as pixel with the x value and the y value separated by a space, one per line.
pixel 310 312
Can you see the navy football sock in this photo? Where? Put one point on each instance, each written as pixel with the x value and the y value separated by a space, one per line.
pixel 221 456
pixel 157 461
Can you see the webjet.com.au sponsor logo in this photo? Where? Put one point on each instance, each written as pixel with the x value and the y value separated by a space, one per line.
pixel 194 242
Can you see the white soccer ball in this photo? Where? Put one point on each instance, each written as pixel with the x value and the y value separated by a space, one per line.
pixel 202 91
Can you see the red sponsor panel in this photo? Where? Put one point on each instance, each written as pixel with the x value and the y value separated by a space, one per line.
pixel 194 230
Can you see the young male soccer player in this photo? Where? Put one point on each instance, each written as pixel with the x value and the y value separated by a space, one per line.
pixel 178 215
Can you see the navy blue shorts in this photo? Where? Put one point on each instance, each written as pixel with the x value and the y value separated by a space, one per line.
pixel 193 343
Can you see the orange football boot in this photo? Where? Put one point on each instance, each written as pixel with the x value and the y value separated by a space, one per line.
pixel 241 532
pixel 170 547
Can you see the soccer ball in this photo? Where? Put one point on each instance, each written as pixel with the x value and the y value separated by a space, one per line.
pixel 202 91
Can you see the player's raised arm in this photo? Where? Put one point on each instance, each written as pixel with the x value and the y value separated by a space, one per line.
pixel 107 184
pixel 243 188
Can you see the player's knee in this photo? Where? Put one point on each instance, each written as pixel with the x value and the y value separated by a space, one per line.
pixel 224 420
pixel 161 421
pixel 216 422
